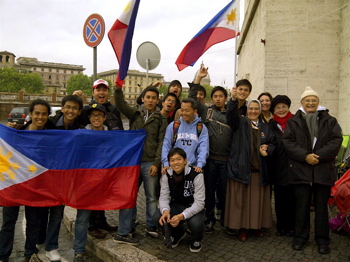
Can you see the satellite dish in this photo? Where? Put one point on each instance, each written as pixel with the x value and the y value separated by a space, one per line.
pixel 148 55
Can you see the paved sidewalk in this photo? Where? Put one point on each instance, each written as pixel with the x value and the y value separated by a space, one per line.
pixel 218 246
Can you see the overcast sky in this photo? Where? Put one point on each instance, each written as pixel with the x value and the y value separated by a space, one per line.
pixel 52 31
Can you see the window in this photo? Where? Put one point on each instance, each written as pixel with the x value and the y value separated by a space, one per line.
pixel 42 69
pixel 72 72
pixel 0 58
pixel 57 78
pixel 129 89
pixel 57 70
pixel 49 77
pixel 7 59
pixel 50 70
pixel 64 71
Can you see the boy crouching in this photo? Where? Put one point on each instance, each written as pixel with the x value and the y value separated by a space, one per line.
pixel 182 197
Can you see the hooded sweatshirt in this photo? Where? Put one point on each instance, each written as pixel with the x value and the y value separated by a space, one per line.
pixel 198 192
pixel 196 148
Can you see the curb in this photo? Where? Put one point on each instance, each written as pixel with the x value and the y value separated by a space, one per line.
pixel 106 249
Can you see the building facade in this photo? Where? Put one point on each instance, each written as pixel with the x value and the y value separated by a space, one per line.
pixel 54 75
pixel 135 82
pixel 285 46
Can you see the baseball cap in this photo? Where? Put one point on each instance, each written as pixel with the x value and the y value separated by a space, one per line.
pixel 96 106
pixel 100 82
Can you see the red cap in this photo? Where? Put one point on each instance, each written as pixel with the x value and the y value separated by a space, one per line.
pixel 100 82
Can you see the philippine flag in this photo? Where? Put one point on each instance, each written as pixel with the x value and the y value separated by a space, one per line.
pixel 120 36
pixel 222 27
pixel 84 169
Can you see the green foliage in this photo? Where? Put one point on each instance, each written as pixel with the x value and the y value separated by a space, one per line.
pixel 163 90
pixel 79 82
pixel 208 89
pixel 33 83
pixel 13 81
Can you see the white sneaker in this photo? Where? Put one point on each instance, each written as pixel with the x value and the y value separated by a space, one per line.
pixel 53 255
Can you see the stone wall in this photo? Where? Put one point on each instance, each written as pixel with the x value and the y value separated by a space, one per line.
pixel 307 43
pixel 344 84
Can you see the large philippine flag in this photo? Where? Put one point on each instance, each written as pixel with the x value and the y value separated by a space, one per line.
pixel 222 27
pixel 84 169
pixel 120 36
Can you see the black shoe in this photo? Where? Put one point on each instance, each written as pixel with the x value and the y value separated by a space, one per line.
pixel 209 228
pixel 298 247
pixel 95 232
pixel 152 231
pixel 195 247
pixel 126 240
pixel 280 232
pixel 177 240
pixel 323 249
pixel 109 228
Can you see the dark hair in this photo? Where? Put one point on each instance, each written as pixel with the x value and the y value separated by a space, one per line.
pixel 152 89
pixel 172 95
pixel 244 82
pixel 265 94
pixel 201 88
pixel 175 83
pixel 194 103
pixel 39 102
pixel 72 98
pixel 218 88
pixel 177 150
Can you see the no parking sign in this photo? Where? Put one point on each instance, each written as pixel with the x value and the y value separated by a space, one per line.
pixel 94 30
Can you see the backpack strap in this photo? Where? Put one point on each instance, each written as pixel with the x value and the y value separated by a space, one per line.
pixel 176 126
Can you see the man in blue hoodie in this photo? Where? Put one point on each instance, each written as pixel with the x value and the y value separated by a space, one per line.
pixel 190 134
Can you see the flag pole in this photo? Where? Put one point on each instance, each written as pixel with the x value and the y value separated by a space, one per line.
pixel 236 63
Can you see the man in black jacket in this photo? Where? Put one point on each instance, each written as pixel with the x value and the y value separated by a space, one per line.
pixel 312 140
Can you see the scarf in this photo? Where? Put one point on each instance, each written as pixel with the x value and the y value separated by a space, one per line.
pixel 282 121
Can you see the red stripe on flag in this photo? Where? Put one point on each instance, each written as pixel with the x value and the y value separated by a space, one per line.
pixel 95 189
pixel 197 46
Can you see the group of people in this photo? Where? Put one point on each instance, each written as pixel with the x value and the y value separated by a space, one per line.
pixel 197 159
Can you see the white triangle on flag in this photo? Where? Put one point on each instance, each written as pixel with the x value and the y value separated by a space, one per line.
pixel 15 167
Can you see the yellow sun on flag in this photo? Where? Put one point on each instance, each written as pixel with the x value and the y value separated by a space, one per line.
pixel 6 166
pixel 231 18
pixel 127 7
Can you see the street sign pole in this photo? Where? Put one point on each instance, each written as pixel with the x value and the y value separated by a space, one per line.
pixel 95 63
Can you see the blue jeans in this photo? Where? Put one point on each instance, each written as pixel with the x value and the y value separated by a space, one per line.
pixel 49 221
pixel 150 184
pixel 81 228
pixel 215 179
pixel 194 223
pixel 125 221
pixel 9 219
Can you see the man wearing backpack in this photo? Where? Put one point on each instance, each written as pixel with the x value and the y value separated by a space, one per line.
pixel 188 133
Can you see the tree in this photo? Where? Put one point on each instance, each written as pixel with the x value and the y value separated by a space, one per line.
pixel 208 89
pixel 10 80
pixel 13 81
pixel 79 82
pixel 33 83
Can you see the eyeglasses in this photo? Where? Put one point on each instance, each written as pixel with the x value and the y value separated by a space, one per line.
pixel 98 115
pixel 74 108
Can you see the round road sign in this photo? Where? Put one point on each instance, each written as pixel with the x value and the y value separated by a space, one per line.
pixel 94 30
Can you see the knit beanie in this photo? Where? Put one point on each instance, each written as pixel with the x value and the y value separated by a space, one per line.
pixel 309 92
pixel 279 99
